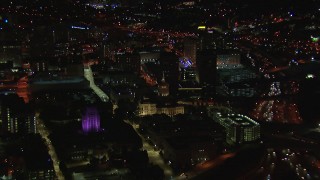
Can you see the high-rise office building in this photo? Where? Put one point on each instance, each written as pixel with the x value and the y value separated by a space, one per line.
pixel 16 116
pixel 206 67
pixel 190 50
pixel 40 66
pixel 128 62
pixel 169 64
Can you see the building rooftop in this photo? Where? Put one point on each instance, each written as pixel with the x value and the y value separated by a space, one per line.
pixel 238 120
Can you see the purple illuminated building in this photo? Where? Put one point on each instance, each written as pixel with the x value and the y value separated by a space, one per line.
pixel 91 120
pixel 185 63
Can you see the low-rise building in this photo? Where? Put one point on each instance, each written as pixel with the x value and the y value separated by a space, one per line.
pixel 150 108
pixel 147 109
pixel 170 110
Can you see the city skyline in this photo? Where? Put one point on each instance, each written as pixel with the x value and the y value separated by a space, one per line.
pixel 150 89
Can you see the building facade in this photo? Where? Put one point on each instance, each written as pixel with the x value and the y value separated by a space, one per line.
pixel 16 116
pixel 239 128
pixel 190 49
pixel 91 120
pixel 163 87
pixel 147 108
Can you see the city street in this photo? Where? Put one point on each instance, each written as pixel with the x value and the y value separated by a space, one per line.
pixel 154 155
pixel 43 131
